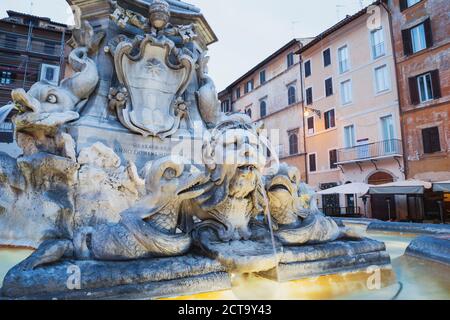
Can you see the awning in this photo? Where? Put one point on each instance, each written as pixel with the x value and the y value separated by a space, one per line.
pixel 402 187
pixel 350 188
pixel 443 186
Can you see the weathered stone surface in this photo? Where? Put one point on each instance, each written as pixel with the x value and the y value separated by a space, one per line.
pixel 420 228
pixel 100 156
pixel 244 256
pixel 431 248
pixel 36 198
pixel 105 187
pixel 330 258
pixel 137 279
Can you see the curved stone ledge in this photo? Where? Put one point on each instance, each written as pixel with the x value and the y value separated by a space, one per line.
pixel 431 248
pixel 331 258
pixel 404 227
pixel 154 278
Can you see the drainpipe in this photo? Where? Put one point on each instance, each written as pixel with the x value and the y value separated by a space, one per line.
pixel 397 76
pixel 303 113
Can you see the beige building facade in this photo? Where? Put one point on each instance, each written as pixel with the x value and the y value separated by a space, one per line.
pixel 352 122
pixel 271 93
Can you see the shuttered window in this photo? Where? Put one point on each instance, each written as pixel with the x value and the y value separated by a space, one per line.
pixel 329 87
pixel 307 68
pixel 312 163
pixel 330 121
pixel 326 57
pixel 309 96
pixel 431 142
pixel 425 87
pixel 417 38
pixel 333 159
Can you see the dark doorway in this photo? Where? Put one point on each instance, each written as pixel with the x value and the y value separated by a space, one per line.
pixel 383 207
pixel 330 203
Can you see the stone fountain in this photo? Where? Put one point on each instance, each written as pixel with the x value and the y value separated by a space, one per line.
pixel 133 184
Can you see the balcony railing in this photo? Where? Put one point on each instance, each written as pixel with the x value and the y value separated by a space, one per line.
pixel 371 151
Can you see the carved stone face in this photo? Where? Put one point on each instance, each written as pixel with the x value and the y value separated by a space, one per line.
pixel 243 182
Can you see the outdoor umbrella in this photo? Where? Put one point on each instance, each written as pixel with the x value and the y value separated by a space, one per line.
pixel 350 188
pixel 401 187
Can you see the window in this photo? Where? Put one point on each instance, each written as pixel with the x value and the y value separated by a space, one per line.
pixel 312 162
pixel 343 59
pixel 249 86
pixel 248 112
pixel 5 77
pixel 330 121
pixel 309 96
pixel 262 108
pixel 333 159
pixel 292 97
pixel 349 136
pixel 293 144
pixel 382 81
pixel 417 38
pixel 310 125
pixel 346 92
pixel 327 58
pixel 238 92
pixel 308 71
pixel 50 74
pixel 329 87
pixel 425 87
pixel 430 138
pixel 377 39
pixel 226 106
pixel 262 77
pixel 405 4
pixel 388 134
pixel 290 60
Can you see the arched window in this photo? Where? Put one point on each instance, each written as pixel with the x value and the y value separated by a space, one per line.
pixel 293 144
pixel 292 98
pixel 249 112
pixel 263 109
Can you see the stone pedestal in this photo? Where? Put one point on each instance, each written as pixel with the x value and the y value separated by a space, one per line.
pixel 143 279
pixel 330 258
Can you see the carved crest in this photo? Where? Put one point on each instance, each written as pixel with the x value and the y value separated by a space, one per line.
pixel 155 74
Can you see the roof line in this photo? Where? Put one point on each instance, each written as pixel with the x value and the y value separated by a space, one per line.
pixel 16 13
pixel 348 19
pixel 261 64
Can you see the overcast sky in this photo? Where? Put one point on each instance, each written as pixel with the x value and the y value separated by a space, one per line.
pixel 248 30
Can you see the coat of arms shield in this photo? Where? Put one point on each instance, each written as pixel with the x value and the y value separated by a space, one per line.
pixel 156 74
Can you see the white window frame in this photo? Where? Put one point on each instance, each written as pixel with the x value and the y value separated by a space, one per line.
pixel 387 80
pixel 430 94
pixel 354 143
pixel 345 46
pixel 345 103
pixel 421 38
pixel 374 45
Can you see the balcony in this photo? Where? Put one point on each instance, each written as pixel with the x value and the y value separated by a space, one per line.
pixel 369 152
